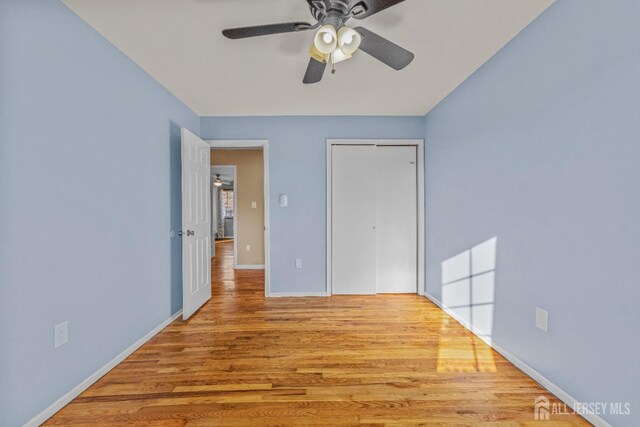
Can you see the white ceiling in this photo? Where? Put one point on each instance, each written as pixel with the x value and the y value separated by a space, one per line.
pixel 179 43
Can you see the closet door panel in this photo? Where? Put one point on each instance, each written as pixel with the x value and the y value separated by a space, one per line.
pixel 353 219
pixel 397 220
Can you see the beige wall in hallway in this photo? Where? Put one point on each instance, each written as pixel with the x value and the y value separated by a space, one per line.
pixel 248 189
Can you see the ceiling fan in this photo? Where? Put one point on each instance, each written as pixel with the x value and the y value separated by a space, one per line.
pixel 218 182
pixel 334 41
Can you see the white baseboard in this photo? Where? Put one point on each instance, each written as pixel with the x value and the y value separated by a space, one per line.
pixel 438 303
pixel 518 363
pixel 547 384
pixel 459 319
pixel 68 397
pixel 297 295
pixel 250 267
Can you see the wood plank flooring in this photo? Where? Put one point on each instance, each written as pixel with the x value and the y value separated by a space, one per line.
pixel 243 360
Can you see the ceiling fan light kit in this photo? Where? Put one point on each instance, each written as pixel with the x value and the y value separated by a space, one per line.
pixel 349 40
pixel 335 42
pixel 326 39
pixel 340 55
pixel 332 47
pixel 319 56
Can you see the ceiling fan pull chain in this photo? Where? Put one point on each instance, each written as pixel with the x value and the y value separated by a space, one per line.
pixel 333 64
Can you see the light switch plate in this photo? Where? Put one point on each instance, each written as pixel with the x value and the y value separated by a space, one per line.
pixel 60 334
pixel 298 264
pixel 254 205
pixel 542 319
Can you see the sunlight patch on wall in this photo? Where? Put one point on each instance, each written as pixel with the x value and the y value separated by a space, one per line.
pixel 468 289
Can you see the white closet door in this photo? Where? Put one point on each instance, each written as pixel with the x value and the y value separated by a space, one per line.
pixel 353 219
pixel 397 220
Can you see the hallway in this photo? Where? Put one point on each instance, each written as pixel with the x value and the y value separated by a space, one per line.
pixel 243 360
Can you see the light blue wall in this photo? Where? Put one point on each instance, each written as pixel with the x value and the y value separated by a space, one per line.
pixel 89 191
pixel 541 149
pixel 298 168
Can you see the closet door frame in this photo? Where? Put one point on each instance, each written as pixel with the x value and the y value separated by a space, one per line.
pixel 419 144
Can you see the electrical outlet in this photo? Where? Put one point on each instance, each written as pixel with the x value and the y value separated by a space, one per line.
pixel 298 263
pixel 542 319
pixel 248 248
pixel 254 205
pixel 60 334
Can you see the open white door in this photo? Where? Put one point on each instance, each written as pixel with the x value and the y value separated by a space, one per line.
pixel 196 223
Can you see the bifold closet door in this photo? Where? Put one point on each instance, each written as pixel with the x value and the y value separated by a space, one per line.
pixel 353 219
pixel 397 220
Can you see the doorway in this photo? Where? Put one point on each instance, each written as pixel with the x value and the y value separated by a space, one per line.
pixel 375 216
pixel 223 205
pixel 242 208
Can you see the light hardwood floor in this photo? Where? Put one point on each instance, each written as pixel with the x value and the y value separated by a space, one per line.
pixel 243 360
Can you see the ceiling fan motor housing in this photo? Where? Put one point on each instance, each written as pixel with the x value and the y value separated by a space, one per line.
pixel 336 12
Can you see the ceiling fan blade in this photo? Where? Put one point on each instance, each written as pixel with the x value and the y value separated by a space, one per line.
pixel 366 8
pixel 384 50
pixel 315 71
pixel 265 30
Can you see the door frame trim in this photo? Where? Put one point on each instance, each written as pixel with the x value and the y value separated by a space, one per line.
pixel 419 144
pixel 243 144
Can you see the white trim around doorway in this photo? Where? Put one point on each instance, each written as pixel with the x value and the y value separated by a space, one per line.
pixel 419 144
